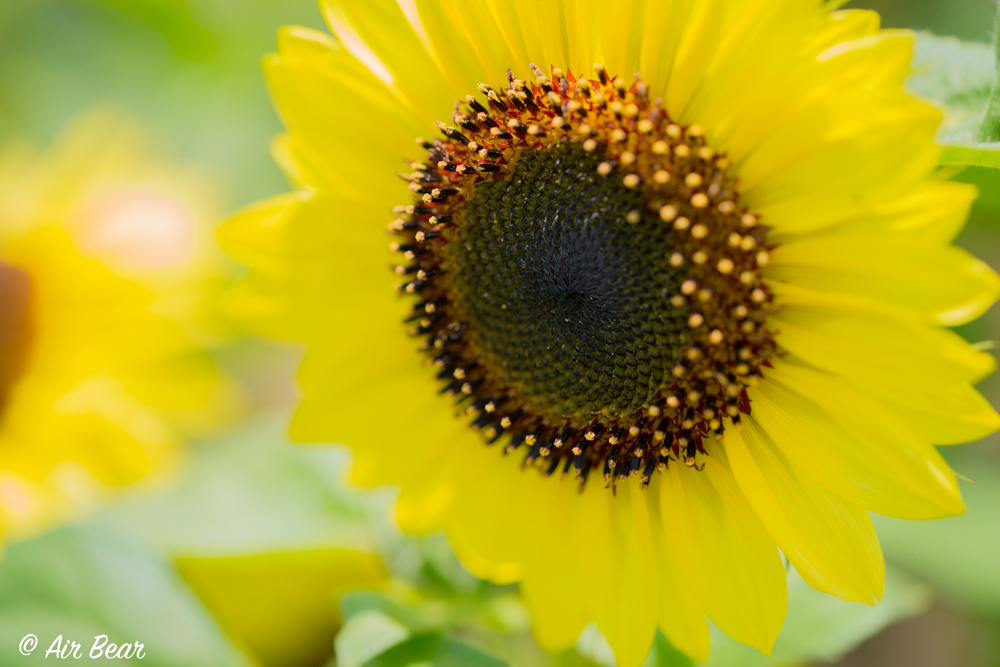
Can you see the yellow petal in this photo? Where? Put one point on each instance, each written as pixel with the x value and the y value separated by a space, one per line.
pixel 923 372
pixel 620 33
pixel 385 30
pixel 337 111
pixel 499 572
pixel 629 624
pixel 931 214
pixel 845 25
pixel 946 283
pixel 890 148
pixel 583 41
pixel 853 445
pixel 757 44
pixel 553 584
pixel 868 346
pixel 303 249
pixel 495 499
pixel 679 615
pixel 951 414
pixel 597 549
pixel 508 24
pixel 453 52
pixel 663 27
pixel 818 88
pixel 427 497
pixel 468 43
pixel 724 553
pixel 542 27
pixel 831 543
pixel 376 397
pixel 697 42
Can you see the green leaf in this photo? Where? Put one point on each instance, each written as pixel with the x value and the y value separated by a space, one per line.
pixel 366 635
pixel 961 76
pixel 417 649
pixel 665 655
pixel 454 653
pixel 373 639
pixel 436 649
pixel 83 583
pixel 410 614
pixel 990 129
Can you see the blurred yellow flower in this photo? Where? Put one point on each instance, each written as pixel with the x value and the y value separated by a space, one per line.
pixel 105 267
pixel 719 285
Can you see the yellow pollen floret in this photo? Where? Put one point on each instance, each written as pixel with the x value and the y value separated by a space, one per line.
pixel 668 213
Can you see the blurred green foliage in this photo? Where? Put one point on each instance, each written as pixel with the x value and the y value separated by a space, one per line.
pixel 971 20
pixel 80 583
pixel 190 70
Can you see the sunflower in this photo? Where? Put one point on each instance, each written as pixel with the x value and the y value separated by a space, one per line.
pixel 103 365
pixel 653 322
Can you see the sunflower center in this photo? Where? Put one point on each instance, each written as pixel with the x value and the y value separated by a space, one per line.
pixel 589 284
pixel 15 338
pixel 565 293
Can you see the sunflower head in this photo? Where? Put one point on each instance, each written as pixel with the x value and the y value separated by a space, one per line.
pixel 587 283
pixel 717 284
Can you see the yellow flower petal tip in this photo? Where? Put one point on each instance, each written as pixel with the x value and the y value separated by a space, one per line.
pixel 693 312
pixel 106 263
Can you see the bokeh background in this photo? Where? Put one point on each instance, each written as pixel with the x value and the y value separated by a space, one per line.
pixel 242 555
